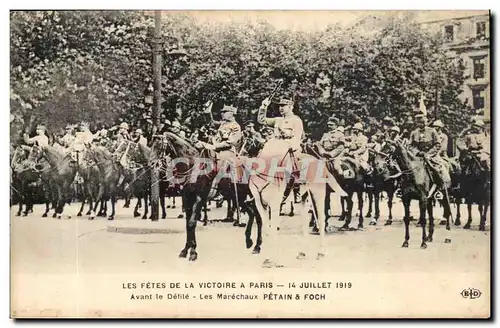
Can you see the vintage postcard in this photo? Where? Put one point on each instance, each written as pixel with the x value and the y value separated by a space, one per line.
pixel 250 164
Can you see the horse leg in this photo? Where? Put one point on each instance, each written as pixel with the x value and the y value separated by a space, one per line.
pixel 317 193
pixel 483 214
pixel 173 200
pixel 406 219
pixel 430 213
pixel 146 207
pixel 162 203
pixel 348 212
pixel 458 201
pixel 469 212
pixel 188 202
pixel 370 201
pixel 191 227
pixel 81 207
pixel 360 208
pixel 98 200
pixel 205 214
pixel 423 203
pixel 113 201
pixel 343 201
pixel 248 229
pixel 136 208
pixel 390 198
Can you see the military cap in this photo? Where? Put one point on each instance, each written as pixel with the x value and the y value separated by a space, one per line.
pixel 139 131
pixel 285 101
pixel 124 125
pixel 479 123
pixel 231 109
pixel 340 129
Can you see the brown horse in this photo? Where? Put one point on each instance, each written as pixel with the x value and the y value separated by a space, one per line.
pixel 384 168
pixel 60 175
pixel 109 177
pixel 416 182
pixel 475 187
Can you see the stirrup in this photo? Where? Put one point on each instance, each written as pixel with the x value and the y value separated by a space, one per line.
pixel 432 190
pixel 438 195
pixel 398 193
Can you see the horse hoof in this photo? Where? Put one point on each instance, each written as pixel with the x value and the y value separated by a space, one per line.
pixel 59 216
pixel 79 214
pixel 291 214
pixel 183 253
pixel 368 215
pixel 91 218
pixel 205 223
pixel 193 257
pixel 320 256
pixel 423 245
pixel 126 206
pixel 173 206
pixel 429 239
pixel 315 229
pixel 301 256
pixel 44 215
pixel 405 244
pixel 442 222
pixel 111 218
pixel 88 213
pixel 164 216
pixel 18 214
pixel 360 226
pixel 457 222
pixel 144 217
pixel 25 214
pixel 482 228
pixel 467 226
pixel 168 206
pixel 249 243
pixel 137 214
pixel 373 222
pixel 344 228
pixel 447 241
pixel 236 223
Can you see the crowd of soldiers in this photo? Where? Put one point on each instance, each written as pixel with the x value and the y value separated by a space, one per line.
pixel 286 134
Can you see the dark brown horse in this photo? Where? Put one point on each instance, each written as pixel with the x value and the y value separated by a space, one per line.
pixel 415 184
pixel 475 186
pixel 381 179
pixel 60 175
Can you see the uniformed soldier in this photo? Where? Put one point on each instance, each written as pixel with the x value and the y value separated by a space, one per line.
pixel 139 137
pixel 288 129
pixel 225 141
pixel 425 142
pixel 69 136
pixel 478 142
pixel 40 139
pixel 253 140
pixel 358 148
pixel 332 144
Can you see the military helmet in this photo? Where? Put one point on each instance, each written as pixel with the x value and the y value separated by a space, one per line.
pixel 479 123
pixel 438 124
pixel 124 125
pixel 139 131
pixel 358 126
pixel 395 129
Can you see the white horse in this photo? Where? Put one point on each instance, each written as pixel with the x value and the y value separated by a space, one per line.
pixel 267 185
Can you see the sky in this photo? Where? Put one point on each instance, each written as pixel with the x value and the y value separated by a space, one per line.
pixel 311 20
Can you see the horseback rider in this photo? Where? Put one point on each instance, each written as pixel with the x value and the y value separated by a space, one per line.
pixel 139 137
pixel 69 136
pixel 253 140
pixel 287 137
pixel 425 142
pixel 332 144
pixel 358 148
pixel 477 142
pixel 225 141
pixel 40 139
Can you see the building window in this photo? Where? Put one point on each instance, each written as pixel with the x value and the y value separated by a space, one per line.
pixel 481 30
pixel 448 33
pixel 479 64
pixel 477 99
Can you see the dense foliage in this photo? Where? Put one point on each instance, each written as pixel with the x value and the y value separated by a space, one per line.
pixel 69 66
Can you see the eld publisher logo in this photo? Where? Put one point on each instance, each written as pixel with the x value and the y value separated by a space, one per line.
pixel 471 293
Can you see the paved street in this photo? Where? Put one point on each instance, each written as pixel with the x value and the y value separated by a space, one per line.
pixel 51 245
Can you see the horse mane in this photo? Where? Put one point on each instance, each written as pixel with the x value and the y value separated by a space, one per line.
pixel 180 146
